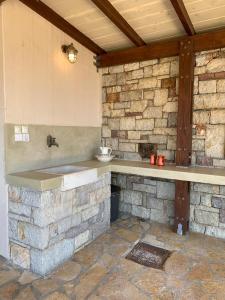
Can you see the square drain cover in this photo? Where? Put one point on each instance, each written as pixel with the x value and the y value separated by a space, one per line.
pixel 149 256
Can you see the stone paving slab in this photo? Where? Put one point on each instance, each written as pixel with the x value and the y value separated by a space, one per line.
pixel 195 270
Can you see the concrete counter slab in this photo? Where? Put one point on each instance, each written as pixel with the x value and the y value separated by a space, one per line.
pixel 42 181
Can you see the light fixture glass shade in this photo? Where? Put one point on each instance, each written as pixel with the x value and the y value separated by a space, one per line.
pixel 71 53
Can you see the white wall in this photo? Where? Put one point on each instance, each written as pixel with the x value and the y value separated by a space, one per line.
pixel 3 197
pixel 41 86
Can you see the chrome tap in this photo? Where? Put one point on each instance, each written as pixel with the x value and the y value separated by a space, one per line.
pixel 51 141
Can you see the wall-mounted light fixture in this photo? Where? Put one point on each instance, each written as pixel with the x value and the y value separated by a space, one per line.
pixel 71 52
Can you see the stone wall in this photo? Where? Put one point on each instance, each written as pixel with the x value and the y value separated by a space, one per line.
pixel 145 197
pixel 46 228
pixel 207 210
pixel 153 199
pixel 140 106
pixel 209 109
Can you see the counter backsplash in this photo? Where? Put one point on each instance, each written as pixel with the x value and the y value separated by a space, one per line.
pixel 75 144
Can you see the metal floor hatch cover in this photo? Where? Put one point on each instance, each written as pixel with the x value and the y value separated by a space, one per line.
pixel 149 256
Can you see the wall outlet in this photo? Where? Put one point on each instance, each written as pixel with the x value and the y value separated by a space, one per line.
pixel 18 137
pixel 26 137
pixel 17 129
pixel 21 133
pixel 24 129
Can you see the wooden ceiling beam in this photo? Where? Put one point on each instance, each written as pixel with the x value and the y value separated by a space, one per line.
pixel 50 15
pixel 201 42
pixel 109 10
pixel 183 16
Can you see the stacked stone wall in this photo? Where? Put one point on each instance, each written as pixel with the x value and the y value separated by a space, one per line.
pixel 140 106
pixel 209 109
pixel 46 228
pixel 145 197
pixel 153 199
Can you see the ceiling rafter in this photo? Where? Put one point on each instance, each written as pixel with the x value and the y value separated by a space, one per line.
pixel 109 10
pixel 203 41
pixel 183 16
pixel 50 15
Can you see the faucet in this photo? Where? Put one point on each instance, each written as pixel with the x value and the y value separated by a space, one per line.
pixel 51 141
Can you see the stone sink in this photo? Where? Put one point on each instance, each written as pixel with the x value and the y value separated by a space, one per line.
pixel 73 176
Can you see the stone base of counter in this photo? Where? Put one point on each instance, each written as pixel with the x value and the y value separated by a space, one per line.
pixel 46 228
pixel 153 199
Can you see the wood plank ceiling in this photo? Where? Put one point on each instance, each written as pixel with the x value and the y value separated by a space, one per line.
pixel 152 20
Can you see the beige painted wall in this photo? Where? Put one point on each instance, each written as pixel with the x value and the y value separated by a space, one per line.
pixel 41 86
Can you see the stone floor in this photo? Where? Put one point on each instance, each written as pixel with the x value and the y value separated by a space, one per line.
pixel 195 270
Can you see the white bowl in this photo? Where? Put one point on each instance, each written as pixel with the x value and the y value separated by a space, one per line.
pixel 105 158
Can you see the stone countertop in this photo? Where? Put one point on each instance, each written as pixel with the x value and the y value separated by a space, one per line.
pixel 42 181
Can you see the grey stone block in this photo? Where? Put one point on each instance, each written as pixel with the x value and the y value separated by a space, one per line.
pixel 165 190
pixel 144 188
pixel 215 231
pixel 133 179
pixel 75 231
pixel 141 212
pixel 43 262
pixel 125 208
pixel 150 181
pixel 31 198
pixel 206 188
pixel 82 239
pixel 131 156
pixel 33 236
pixel 170 209
pixel 222 216
pixel 89 212
pixel 45 216
pixel 122 181
pixel 206 200
pixel 14 193
pixel 206 217
pixel 100 228
pixel 64 224
pixel 19 209
pixel 75 220
pixel 132 197
pixel 195 197
pixel 159 216
pixel 218 202
pixel 81 199
pixel 153 202
pixel 222 190
pixel 13 224
pixel 195 227
pixel 20 218
pixel 68 196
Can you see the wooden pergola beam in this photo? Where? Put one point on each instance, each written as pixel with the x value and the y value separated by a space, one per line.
pixel 50 15
pixel 183 16
pixel 201 42
pixel 109 10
